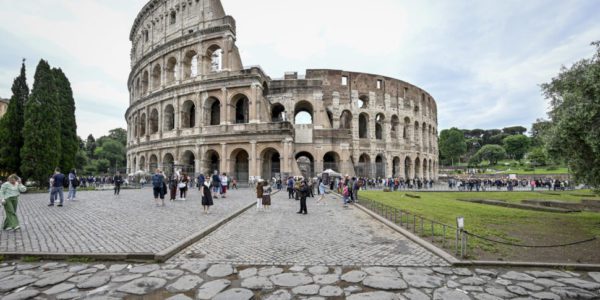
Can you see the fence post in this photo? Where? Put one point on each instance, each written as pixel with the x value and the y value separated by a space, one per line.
pixel 432 233
pixel 456 242
pixel 400 218
pixel 462 243
pixel 415 223
pixel 444 236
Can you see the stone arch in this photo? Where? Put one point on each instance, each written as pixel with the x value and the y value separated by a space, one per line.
pixel 396 167
pixel 306 163
pixel 363 126
pixel 416 132
pixel 425 169
pixel 346 120
pixel 168 164
pixel 406 133
pixel 212 162
pixel 418 168
pixel 142 165
pixel 153 162
pixel 169 118
pixel 171 70
pixel 136 125
pixel 331 160
pixel 277 113
pixel 363 102
pixel 173 17
pixel 214 58
pixel 380 165
pixel 395 125
pixel 188 114
pixel 145 82
pixel 188 162
pixel 212 109
pixel 363 167
pixel 303 113
pixel 134 166
pixel 138 92
pixel 156 77
pixel 408 168
pixel 430 171
pixel 153 121
pixel 190 64
pixel 379 125
pixel 240 165
pixel 271 163
pixel 143 125
pixel 241 111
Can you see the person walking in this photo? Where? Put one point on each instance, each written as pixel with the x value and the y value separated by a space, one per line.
pixel 234 183
pixel 57 181
pixel 290 187
pixel 158 182
pixel 73 184
pixel 216 184
pixel 183 186
pixel 173 188
pixel 224 185
pixel 201 180
pixel 9 197
pixel 118 181
pixel 322 188
pixel 266 196
pixel 259 195
pixel 207 200
pixel 303 192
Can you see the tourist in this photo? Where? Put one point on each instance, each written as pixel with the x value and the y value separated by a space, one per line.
pixel 290 187
pixel 234 183
pixel 207 200
pixel 216 184
pixel 259 195
pixel 183 186
pixel 345 195
pixel 266 196
pixel 303 193
pixel 57 182
pixel 322 188
pixel 9 197
pixel 201 180
pixel 72 185
pixel 158 187
pixel 224 185
pixel 118 181
pixel 172 187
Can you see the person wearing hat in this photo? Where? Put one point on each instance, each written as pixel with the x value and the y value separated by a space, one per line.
pixel 259 194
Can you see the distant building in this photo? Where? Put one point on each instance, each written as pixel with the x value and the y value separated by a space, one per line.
pixel 3 106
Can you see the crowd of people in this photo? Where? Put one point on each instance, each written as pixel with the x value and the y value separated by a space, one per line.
pixel 486 184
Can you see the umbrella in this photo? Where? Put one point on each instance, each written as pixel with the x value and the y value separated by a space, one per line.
pixel 332 173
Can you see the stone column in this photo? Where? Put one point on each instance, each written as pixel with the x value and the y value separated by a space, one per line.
pixel 253 111
pixel 253 161
pixel 224 107
pixel 224 158
pixel 199 161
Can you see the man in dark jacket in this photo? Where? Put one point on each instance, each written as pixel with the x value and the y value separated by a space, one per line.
pixel 303 191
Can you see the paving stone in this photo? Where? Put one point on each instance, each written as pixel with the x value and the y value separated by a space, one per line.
pixel 331 291
pixel 595 276
pixel 257 283
pixel 220 270
pixel 7 268
pixel 449 294
pixel 179 297
pixel 452 284
pixel 235 294
pixel 142 286
pixel 500 292
pixel 53 266
pixel 248 273
pixel 195 267
pixel 26 267
pixel 546 296
pixel 15 281
pixel 100 266
pixel 423 281
pixel 326 279
pixel 354 276
pixel 291 279
pixel 530 286
pixel 443 270
pixel 472 281
pixel 143 269
pixel 318 270
pixel 117 267
pixel 548 282
pixel 279 295
pixel 311 289
pixel 22 295
pixel 385 283
pixel 486 272
pixel 462 272
pixel 420 271
pixel 185 283
pixel 6 274
pixel 503 281
pixel 166 274
pixel 125 278
pixel 78 268
pixel 352 289
pixel 382 271
pixel 579 283
pixel 60 288
pixel 80 278
pixel 512 275
pixel 52 280
pixel 297 268
pixel 95 281
pixel 549 274
pixel 71 295
pixel 517 290
pixel 374 296
pixel 212 288
pixel 472 288
pixel 270 271
pixel 484 296
pixel 415 294
pixel 572 292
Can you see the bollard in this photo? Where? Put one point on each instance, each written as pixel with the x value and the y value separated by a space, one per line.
pixel 444 236
pixel 432 233
pixel 414 223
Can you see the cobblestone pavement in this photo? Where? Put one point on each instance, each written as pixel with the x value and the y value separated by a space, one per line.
pixel 99 223
pixel 329 235
pixel 198 280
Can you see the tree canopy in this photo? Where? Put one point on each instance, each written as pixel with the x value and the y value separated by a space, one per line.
pixel 452 144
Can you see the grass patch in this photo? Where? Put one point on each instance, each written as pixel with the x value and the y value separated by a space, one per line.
pixel 2 258
pixel 31 259
pixel 81 260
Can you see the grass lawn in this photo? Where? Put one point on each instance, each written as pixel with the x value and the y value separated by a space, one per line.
pixel 509 224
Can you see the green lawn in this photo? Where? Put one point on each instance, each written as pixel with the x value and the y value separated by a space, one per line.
pixel 517 225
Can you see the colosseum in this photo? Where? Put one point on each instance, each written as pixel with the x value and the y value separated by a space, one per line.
pixel 195 107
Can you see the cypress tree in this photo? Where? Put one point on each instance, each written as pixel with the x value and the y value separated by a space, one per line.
pixel 11 125
pixel 68 125
pixel 42 148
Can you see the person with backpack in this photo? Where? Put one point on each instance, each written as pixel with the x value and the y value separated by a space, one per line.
pixel 57 181
pixel 345 194
pixel 158 183
pixel 303 193
pixel 183 186
pixel 118 181
pixel 216 184
pixel 73 183
pixel 224 185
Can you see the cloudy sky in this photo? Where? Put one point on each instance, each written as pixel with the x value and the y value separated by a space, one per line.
pixel 483 60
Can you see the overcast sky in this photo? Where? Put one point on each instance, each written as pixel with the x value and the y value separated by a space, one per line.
pixel 483 60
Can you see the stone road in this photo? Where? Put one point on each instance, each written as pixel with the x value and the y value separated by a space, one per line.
pixel 328 235
pixel 101 224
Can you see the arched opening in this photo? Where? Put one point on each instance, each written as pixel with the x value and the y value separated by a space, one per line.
pixel 156 77
pixel 306 164
pixel 395 126
pixel 143 125
pixel 363 126
pixel 396 167
pixel 424 135
pixel 153 163
pixel 154 121
pixel 145 80
pixel 418 168
pixel 212 162
pixel 407 168
pixel 277 113
pixel 265 91
pixel 416 131
pixel 190 64
pixel 171 70
pixel 363 102
pixel 168 164
pixel 242 106
pixel 216 60
pixel 173 18
pixel 142 166
pixel 405 133
pixel 137 92
pixel 188 162
pixel 330 118
pixel 425 169
pixel 134 163
pixel 169 117
pixel 416 110
pixel 136 125
pixel 363 168
pixel 346 120
pixel 303 113
pixel 430 169
pixel 188 118
pixel 379 166
pixel 241 165
pixel 212 111
pixel 379 119
pixel 331 160
pixel 271 164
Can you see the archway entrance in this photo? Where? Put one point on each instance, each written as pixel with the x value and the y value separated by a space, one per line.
pixel 331 160
pixel 396 167
pixel 241 165
pixel 363 168
pixel 379 166
pixel 271 164
pixel 211 162
pixel 306 164
pixel 407 168
pixel 188 163
pixel 167 164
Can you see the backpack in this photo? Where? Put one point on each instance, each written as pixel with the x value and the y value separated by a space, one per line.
pixel 76 182
pixel 346 191
pixel 157 181
pixel 65 181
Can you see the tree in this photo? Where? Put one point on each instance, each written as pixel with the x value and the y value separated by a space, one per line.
pixel 538 156
pixel 113 152
pixel 574 97
pixel 487 134
pixel 516 146
pixel 68 125
pixel 11 125
pixel 497 139
pixel 41 133
pixel 539 131
pixel 90 146
pixel 119 135
pixel 491 153
pixel 452 144
pixel 514 130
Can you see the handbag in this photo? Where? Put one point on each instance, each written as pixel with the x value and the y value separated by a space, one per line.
pixel 181 185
